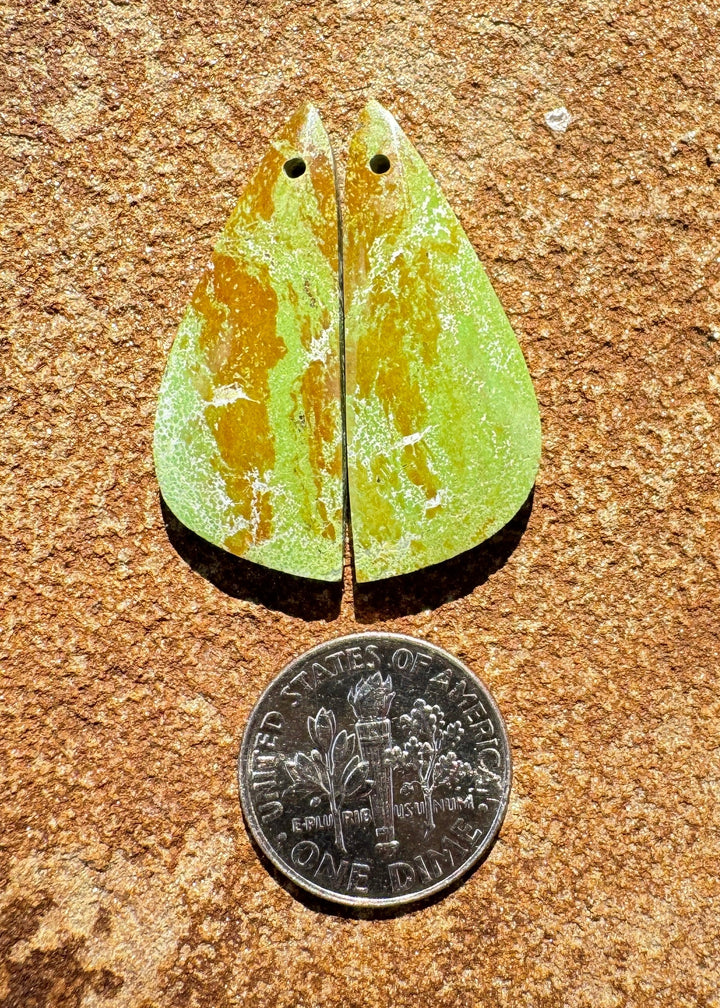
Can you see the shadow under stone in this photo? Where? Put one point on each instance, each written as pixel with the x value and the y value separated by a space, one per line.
pixel 374 602
pixel 295 596
pixel 444 582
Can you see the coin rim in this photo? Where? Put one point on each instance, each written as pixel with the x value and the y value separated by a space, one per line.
pixel 363 901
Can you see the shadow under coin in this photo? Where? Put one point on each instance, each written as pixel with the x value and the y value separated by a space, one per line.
pixel 295 596
pixel 350 912
pixel 444 582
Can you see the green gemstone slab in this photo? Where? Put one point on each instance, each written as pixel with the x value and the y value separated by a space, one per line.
pixel 443 429
pixel 248 430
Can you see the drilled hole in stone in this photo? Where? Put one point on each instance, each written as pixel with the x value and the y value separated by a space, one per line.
pixel 379 164
pixel 295 167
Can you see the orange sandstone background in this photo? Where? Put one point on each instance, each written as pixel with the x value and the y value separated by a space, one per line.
pixel 132 655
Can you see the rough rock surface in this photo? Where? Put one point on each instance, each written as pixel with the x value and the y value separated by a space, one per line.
pixel 132 654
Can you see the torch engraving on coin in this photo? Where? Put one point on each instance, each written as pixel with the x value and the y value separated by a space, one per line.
pixel 375 770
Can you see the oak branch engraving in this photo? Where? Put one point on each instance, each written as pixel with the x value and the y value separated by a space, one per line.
pixel 427 751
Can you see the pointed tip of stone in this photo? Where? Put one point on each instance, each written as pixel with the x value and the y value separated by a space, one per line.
pixel 373 105
pixel 378 132
pixel 375 112
pixel 306 128
pixel 310 112
pixel 376 118
pixel 306 116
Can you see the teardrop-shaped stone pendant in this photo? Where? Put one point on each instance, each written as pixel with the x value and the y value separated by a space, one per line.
pixel 443 430
pixel 248 433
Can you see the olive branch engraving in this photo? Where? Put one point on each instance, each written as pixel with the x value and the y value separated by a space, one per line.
pixel 331 769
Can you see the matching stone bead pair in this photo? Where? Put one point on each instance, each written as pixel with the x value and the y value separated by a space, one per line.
pixel 373 354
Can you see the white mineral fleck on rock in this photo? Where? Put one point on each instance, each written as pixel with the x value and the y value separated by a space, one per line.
pixel 558 119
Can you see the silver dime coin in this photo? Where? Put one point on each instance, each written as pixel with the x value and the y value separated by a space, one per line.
pixel 375 770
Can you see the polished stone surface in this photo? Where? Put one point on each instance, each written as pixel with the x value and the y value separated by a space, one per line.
pixel 248 440
pixel 443 431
